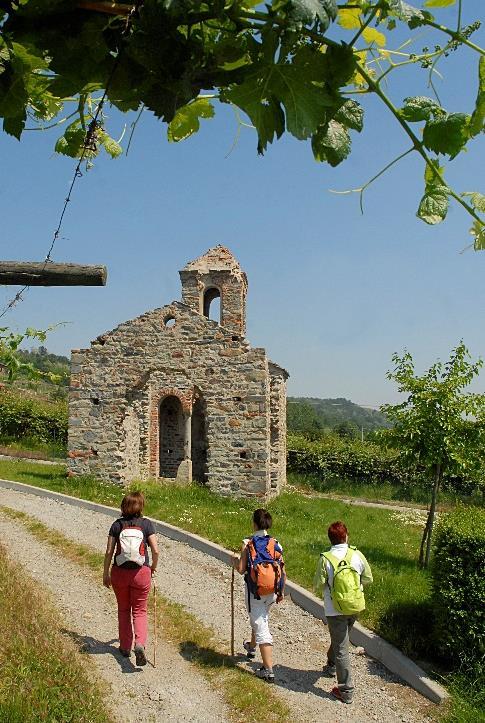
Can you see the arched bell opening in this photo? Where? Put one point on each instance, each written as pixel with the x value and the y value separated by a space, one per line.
pixel 171 426
pixel 212 304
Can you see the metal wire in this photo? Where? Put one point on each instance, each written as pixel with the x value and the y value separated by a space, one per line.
pixel 88 145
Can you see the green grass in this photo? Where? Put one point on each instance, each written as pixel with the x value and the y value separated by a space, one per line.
pixel 45 450
pixel 197 642
pixel 415 495
pixel 42 678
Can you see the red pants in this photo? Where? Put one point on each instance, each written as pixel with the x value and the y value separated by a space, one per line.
pixel 131 588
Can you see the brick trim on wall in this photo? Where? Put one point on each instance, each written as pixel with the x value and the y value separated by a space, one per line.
pixel 186 400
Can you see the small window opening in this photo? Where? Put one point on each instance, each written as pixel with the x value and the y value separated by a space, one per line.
pixel 95 400
pixel 235 338
pixel 169 322
pixel 237 399
pixel 212 304
pixel 243 455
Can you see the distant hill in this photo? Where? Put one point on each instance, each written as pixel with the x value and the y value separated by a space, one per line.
pixel 310 414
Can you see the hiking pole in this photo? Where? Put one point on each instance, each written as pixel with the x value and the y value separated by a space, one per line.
pixel 154 625
pixel 232 611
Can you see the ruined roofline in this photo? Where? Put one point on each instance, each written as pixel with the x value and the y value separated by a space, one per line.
pixel 218 258
pixel 274 367
pixel 101 339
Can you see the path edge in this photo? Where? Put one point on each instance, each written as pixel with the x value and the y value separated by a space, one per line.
pixel 375 646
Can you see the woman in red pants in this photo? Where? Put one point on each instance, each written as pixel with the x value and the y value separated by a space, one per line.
pixel 131 536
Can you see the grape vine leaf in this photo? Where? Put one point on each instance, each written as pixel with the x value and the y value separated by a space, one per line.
pixel 331 143
pixel 439 3
pixel 404 11
pixel 477 200
pixel 447 134
pixel 292 86
pixel 72 142
pixel 109 144
pixel 309 11
pixel 433 206
pixel 478 116
pixel 186 120
pixel 419 108
pixel 350 114
pixel 372 35
pixel 478 233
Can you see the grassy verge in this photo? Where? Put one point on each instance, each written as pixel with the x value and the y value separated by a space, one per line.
pixel 42 677
pixel 242 691
pixel 398 601
pixel 381 491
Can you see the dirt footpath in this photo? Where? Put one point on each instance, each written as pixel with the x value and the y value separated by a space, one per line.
pixel 202 585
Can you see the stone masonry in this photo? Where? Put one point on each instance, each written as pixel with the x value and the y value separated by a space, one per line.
pixel 174 394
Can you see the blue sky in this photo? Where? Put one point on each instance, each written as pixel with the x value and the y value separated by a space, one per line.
pixel 332 293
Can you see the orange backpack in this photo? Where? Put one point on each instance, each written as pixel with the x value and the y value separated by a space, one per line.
pixel 266 568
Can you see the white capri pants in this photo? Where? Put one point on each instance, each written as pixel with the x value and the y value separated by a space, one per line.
pixel 259 617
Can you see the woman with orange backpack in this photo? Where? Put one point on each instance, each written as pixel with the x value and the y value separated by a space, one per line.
pixel 261 563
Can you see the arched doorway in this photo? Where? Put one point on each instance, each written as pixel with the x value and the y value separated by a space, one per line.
pixel 199 440
pixel 171 446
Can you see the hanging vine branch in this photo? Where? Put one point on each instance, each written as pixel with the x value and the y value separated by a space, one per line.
pixel 296 66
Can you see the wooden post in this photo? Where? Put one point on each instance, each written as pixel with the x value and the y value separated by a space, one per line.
pixel 27 273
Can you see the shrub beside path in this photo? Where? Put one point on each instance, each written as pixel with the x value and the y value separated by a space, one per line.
pixel 202 585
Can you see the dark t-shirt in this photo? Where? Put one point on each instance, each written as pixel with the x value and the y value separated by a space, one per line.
pixel 147 528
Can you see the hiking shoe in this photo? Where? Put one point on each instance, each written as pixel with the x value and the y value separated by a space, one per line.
pixel 329 671
pixel 125 653
pixel 265 674
pixel 250 652
pixel 140 657
pixel 337 693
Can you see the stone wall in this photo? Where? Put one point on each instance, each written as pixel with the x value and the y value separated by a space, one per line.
pixel 277 427
pixel 124 375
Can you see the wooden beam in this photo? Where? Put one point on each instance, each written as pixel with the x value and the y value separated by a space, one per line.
pixel 102 6
pixel 27 273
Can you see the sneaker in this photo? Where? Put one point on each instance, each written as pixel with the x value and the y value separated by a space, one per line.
pixel 265 674
pixel 140 657
pixel 337 693
pixel 250 652
pixel 329 671
pixel 125 653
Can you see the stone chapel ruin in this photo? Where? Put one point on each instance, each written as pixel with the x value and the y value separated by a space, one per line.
pixel 174 394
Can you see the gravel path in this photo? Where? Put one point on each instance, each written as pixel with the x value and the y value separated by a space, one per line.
pixel 201 584
pixel 174 691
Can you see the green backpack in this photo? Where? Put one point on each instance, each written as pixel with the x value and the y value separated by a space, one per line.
pixel 346 591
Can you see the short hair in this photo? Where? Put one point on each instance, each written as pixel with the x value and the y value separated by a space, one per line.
pixel 337 533
pixel 132 504
pixel 262 519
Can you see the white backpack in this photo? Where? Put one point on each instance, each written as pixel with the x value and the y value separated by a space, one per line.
pixel 131 546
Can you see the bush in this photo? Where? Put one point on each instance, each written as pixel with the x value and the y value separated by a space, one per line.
pixel 459 587
pixel 23 417
pixel 349 459
pixel 368 462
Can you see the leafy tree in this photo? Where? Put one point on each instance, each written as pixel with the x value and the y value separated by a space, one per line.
pixel 11 362
pixel 438 426
pixel 299 66
pixel 347 430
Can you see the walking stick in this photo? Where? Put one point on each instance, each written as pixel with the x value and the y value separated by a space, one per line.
pixel 154 625
pixel 232 611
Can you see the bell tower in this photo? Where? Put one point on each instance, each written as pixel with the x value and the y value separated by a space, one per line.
pixel 217 275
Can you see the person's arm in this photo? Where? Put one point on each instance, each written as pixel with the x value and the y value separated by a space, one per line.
pixel 110 548
pixel 240 563
pixel 153 543
pixel 366 574
pixel 320 577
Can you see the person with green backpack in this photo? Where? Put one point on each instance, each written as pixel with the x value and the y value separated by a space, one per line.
pixel 341 574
